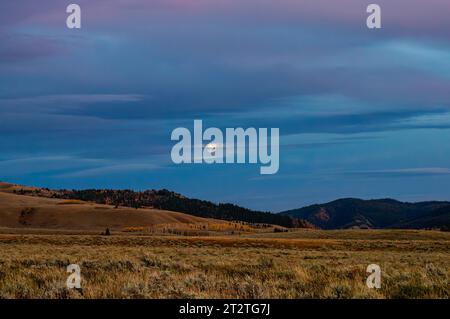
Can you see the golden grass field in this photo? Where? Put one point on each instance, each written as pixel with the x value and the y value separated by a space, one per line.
pixel 305 265
pixel 161 254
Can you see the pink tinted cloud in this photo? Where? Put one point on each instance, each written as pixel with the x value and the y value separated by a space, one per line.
pixel 398 15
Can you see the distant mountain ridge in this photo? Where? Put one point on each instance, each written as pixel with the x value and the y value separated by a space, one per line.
pixel 375 213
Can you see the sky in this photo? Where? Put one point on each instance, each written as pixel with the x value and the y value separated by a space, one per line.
pixel 362 113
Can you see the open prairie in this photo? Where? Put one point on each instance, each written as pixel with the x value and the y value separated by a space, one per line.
pixel 298 264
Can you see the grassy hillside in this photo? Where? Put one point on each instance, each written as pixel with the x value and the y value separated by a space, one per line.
pixel 20 211
pixel 160 199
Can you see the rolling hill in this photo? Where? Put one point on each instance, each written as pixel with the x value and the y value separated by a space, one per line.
pixel 151 202
pixel 162 200
pixel 22 211
pixel 378 213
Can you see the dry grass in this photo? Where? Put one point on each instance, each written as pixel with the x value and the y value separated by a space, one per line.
pixel 162 254
pixel 55 214
pixel 304 265
pixel 70 202
pixel 31 214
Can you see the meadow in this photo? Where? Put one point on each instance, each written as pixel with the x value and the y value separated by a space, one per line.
pixel 295 264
